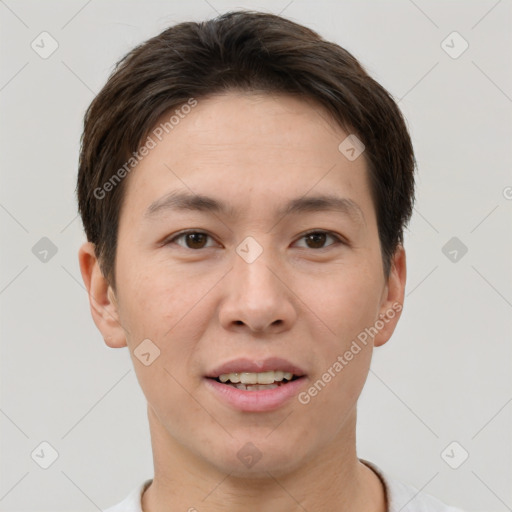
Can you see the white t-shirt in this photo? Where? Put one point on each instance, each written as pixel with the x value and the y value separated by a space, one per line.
pixel 401 497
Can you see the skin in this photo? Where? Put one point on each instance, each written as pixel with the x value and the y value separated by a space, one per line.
pixel 298 300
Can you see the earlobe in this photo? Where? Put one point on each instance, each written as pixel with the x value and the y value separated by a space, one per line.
pixel 393 298
pixel 102 299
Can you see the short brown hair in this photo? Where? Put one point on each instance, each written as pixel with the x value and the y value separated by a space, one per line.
pixel 241 50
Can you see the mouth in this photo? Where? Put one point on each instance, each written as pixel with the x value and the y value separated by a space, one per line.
pixel 247 381
pixel 256 386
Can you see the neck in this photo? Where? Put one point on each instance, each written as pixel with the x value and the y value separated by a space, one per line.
pixel 332 479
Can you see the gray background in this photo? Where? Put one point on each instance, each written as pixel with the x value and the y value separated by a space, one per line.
pixel 446 374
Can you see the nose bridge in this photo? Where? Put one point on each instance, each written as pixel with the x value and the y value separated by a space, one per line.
pixel 252 265
pixel 257 297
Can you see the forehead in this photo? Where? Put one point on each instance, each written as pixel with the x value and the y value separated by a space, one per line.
pixel 236 144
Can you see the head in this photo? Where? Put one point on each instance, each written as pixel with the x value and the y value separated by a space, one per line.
pixel 292 172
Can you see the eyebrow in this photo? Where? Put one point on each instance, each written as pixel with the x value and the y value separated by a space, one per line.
pixel 175 201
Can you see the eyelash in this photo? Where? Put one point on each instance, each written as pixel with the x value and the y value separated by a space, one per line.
pixel 182 234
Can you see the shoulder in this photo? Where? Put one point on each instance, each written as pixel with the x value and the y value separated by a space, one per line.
pixel 132 503
pixel 402 497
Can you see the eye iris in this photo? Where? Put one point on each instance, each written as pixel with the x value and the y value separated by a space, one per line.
pixel 317 238
pixel 193 237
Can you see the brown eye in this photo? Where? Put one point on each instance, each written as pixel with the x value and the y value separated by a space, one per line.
pixel 317 239
pixel 193 239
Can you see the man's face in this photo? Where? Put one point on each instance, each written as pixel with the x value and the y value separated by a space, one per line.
pixel 251 285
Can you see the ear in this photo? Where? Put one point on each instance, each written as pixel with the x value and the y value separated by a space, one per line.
pixel 102 299
pixel 392 298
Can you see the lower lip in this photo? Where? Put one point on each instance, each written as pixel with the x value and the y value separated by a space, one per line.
pixel 256 401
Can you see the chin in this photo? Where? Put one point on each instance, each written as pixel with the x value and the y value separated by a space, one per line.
pixel 256 457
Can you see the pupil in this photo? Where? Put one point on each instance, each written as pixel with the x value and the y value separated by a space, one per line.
pixel 192 238
pixel 315 237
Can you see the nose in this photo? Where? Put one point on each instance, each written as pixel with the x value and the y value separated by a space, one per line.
pixel 257 297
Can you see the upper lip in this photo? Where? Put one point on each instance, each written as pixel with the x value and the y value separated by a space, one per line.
pixel 246 365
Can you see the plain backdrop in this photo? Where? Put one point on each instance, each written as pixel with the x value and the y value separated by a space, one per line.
pixel 444 377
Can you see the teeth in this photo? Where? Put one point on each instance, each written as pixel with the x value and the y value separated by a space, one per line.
pixel 249 378
pixel 233 377
pixel 256 378
pixel 257 387
pixel 279 376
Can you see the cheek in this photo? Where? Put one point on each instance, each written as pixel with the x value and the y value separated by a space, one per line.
pixel 345 303
pixel 334 391
pixel 170 309
pixel 156 301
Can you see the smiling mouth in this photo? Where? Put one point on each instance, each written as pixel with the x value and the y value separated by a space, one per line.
pixel 246 381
